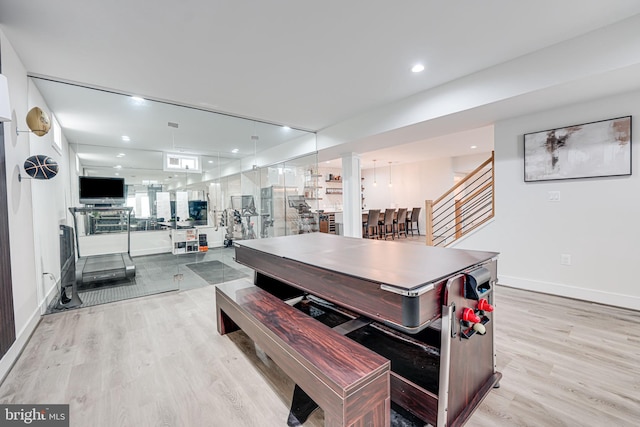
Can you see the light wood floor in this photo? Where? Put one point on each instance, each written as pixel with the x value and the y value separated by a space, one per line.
pixel 158 361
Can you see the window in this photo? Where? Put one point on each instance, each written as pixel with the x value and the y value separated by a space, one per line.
pixel 181 162
pixel 57 135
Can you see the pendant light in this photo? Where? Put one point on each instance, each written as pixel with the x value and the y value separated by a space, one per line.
pixel 375 183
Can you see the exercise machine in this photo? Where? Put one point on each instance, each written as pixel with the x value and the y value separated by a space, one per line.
pixel 113 266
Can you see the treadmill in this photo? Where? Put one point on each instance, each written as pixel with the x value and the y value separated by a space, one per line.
pixel 97 268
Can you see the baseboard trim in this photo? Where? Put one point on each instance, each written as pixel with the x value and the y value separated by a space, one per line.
pixel 22 338
pixel 49 296
pixel 591 295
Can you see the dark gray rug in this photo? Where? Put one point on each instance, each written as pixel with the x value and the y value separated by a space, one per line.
pixel 215 271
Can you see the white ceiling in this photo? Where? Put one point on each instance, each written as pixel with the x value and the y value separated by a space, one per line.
pixel 308 65
pixel 465 143
pixel 95 123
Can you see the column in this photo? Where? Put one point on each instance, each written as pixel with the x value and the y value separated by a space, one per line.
pixel 351 197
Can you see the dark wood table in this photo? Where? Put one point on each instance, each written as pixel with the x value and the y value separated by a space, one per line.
pixel 411 298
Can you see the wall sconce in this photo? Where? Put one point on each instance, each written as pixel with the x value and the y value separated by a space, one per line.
pixel 375 183
pixel 5 105
pixel 390 175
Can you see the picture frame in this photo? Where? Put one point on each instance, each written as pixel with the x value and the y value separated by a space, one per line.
pixel 588 150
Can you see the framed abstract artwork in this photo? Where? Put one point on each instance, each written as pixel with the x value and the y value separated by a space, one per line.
pixel 588 150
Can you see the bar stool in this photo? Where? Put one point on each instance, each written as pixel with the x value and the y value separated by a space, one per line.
pixel 387 224
pixel 372 223
pixel 365 217
pixel 415 214
pixel 401 222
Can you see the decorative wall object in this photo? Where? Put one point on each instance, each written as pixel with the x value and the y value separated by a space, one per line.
pixel 38 121
pixel 41 167
pixel 588 150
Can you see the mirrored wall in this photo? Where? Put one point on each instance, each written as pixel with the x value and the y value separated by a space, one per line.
pixel 195 181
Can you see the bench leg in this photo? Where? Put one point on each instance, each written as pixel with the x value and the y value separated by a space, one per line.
pixel 225 324
pixel 302 406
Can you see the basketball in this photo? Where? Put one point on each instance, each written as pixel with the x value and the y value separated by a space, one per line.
pixel 38 121
pixel 41 167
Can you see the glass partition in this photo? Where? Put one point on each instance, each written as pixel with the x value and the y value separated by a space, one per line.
pixel 196 181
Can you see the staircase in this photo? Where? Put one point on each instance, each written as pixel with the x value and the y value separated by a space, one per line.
pixel 464 207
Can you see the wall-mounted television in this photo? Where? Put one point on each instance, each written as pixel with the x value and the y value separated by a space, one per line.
pixel 96 190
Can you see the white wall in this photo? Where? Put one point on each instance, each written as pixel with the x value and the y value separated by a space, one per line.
pixel 329 202
pixel 21 228
pixel 36 207
pixel 413 183
pixel 466 164
pixel 596 220
pixel 50 201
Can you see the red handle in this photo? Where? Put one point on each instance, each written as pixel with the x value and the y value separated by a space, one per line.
pixel 484 305
pixel 469 316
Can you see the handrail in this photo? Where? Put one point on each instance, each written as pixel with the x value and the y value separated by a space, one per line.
pixel 465 179
pixel 476 193
pixel 454 215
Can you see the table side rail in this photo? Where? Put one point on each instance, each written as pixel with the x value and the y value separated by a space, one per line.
pixel 359 295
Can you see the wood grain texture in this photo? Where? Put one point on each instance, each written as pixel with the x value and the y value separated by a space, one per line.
pixel 326 284
pixel 158 361
pixel 402 266
pixel 372 301
pixel 463 416
pixel 344 378
pixel 408 395
pixel 471 360
pixel 331 355
pixel 371 405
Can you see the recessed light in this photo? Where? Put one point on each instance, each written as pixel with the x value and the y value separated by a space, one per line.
pixel 137 99
pixel 328 161
pixel 417 68
pixel 210 161
pixel 126 138
pixel 286 127
pixel 117 174
pixel 117 167
pixel 473 147
pixel 235 150
pixel 120 155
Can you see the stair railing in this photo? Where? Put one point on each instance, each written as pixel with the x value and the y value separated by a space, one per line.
pixel 464 207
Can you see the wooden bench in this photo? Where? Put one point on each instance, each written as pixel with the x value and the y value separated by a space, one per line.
pixel 348 381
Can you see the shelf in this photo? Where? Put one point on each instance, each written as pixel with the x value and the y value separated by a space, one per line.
pixel 188 240
pixel 334 180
